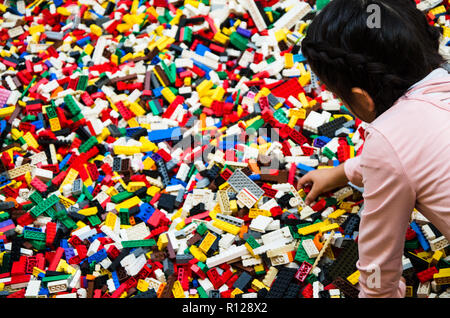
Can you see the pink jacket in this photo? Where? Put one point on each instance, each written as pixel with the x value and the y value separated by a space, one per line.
pixel 405 164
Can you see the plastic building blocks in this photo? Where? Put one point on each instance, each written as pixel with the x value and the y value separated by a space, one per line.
pixel 153 150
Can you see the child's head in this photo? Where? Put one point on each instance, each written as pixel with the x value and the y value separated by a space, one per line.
pixel 369 52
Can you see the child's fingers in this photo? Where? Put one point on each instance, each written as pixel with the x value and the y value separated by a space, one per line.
pixel 312 195
pixel 305 179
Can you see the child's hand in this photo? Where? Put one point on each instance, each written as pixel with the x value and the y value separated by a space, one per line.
pixel 323 180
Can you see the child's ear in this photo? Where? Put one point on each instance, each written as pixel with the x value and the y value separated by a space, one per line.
pixel 364 101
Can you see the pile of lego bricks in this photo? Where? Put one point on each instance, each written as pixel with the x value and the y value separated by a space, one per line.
pixel 152 149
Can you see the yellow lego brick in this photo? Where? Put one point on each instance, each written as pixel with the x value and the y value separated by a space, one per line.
pixel 197 253
pixel 153 190
pixel 89 49
pixel 126 150
pixel 70 177
pixel 88 211
pixel 253 213
pixel 37 28
pixel 137 109
pixel 177 290
pixel 299 113
pixel 61 266
pixel 111 191
pixel 250 249
pixel 227 227
pixel 131 202
pixel 192 3
pixel 180 225
pixel 233 206
pixel 442 277
pixel 110 220
pixel 221 37
pixel 142 285
pixel 436 257
pixel 336 214
pixel 162 241
pixel 304 79
pixel 95 29
pixel 37 271
pixel 7 111
pixel 167 94
pixel 203 87
pixel 353 278
pixel 80 224
pixel 207 242
pixel 330 227
pixel 312 228
pixel 292 121
pixel 257 285
pixel 235 292
pixel 303 100
pixel 133 186
pixel 446 33
pixel 30 140
pixel 54 124
pixel 63 11
pixel 114 59
pixel 288 60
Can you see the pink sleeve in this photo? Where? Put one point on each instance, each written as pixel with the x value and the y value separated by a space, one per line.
pixel 352 168
pixel 388 202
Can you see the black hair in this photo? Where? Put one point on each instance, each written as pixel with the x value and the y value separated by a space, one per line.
pixel 345 52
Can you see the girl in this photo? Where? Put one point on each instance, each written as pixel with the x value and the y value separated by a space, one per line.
pixel 391 77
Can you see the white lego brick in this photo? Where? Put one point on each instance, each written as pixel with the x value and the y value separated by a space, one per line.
pixel 260 223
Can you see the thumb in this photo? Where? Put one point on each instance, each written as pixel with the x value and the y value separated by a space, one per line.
pixel 305 179
pixel 312 195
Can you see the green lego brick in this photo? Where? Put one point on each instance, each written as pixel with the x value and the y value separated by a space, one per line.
pixel 94 220
pixel 201 292
pixel 38 245
pixel 34 235
pixel 4 216
pixel 121 196
pixel 47 279
pixel 252 242
pixel 88 144
pixel 328 153
pixel 138 243
pixel 71 105
pixel 35 197
pixel 238 41
pixel 201 229
pixel 44 205
pixel 82 83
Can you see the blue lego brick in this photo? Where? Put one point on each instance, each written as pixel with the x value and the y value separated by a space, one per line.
pixel 38 124
pixel 96 236
pixel 165 134
pixel 175 181
pixel 6 223
pixel 146 211
pixel 64 244
pixel 422 239
pixel 64 161
pixel 69 253
pixel 98 257
pixel 203 68
pixel 299 58
pixel 304 168
pixel 201 49
pixel 115 279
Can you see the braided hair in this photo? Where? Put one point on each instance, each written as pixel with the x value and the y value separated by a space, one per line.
pixel 344 52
